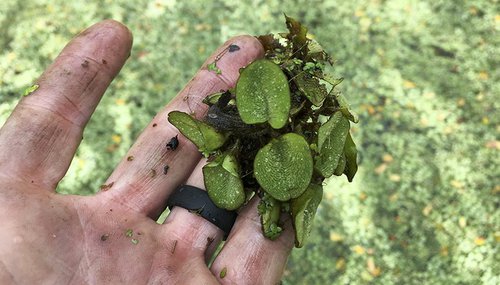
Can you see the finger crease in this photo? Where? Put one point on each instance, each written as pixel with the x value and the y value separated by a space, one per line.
pixel 6 270
pixel 56 113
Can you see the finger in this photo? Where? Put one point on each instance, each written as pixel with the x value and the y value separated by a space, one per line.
pixel 140 181
pixel 39 139
pixel 196 237
pixel 250 258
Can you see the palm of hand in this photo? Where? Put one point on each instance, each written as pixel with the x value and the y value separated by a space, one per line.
pixel 85 240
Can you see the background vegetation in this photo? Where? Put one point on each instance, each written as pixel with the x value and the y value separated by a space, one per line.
pixel 423 75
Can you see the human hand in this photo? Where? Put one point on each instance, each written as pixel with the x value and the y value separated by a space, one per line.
pixel 112 237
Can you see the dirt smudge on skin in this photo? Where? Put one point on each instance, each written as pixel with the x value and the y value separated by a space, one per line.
pixel 85 63
pixel 173 143
pixel 233 48
pixel 173 247
pixel 106 187
pixel 210 240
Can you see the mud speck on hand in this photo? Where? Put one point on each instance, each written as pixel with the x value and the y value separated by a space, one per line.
pixel 173 143
pixel 233 48
pixel 85 63
pixel 210 240
pixel 106 187
pixel 173 247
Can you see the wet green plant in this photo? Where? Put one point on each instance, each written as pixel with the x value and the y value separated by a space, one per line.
pixel 278 134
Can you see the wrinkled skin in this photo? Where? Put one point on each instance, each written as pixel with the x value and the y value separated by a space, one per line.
pixel 112 237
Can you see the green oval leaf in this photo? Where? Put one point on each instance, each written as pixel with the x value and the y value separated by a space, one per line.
pixel 344 108
pixel 263 95
pixel 341 166
pixel 331 139
pixel 205 137
pixel 311 87
pixel 269 210
pixel 223 182
pixel 351 155
pixel 303 210
pixel 284 166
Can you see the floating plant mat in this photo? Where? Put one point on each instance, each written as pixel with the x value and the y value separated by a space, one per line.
pixel 278 134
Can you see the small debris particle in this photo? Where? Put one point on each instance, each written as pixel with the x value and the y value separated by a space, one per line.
pixel 173 143
pixel 134 241
pixel 106 187
pixel 129 232
pixel 130 158
pixel 85 64
pixel 233 48
pixel 152 173
pixel 213 67
pixel 479 241
pixel 173 247
pixel 104 237
pixel 120 102
pixel 155 124
pixel 165 169
pixel 223 273
pixel 210 240
pixel 111 210
pixel 196 211
pixel 32 181
pixel 30 89
pixel 104 61
pixel 139 233
pixel 116 138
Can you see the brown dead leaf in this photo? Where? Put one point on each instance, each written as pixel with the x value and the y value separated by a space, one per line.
pixel 427 210
pixel 409 84
pixel 456 184
pixel 395 178
pixel 479 241
pixel 381 168
pixel 372 268
pixel 493 144
pixel 358 249
pixel 387 158
pixel 336 237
